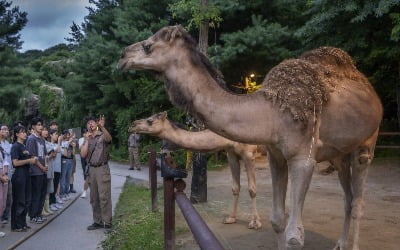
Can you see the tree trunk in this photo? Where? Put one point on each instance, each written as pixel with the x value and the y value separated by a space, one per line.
pixel 199 178
pixel 203 31
pixel 398 100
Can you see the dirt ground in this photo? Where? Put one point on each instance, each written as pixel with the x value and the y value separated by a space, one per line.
pixel 322 214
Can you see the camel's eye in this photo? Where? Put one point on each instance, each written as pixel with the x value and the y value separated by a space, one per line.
pixel 150 122
pixel 146 48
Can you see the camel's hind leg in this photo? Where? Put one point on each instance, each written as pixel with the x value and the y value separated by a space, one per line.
pixel 234 164
pixel 360 161
pixel 279 174
pixel 344 173
pixel 249 162
pixel 362 158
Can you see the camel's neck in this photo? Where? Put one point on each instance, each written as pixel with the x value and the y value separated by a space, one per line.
pixel 224 113
pixel 198 141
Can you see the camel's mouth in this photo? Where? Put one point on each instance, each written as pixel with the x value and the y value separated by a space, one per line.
pixel 122 65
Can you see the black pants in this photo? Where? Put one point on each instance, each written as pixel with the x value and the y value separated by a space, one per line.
pixel 39 191
pixel 21 197
pixel 56 181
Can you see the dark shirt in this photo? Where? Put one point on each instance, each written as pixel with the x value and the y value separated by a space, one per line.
pixel 37 147
pixel 19 152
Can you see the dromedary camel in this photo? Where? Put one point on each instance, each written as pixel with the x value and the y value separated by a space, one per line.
pixel 206 141
pixel 314 108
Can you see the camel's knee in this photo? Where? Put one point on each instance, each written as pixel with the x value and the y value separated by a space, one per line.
pixel 252 193
pixel 278 222
pixel 235 190
pixel 365 156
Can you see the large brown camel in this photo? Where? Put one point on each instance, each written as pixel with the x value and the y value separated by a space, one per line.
pixel 311 109
pixel 207 141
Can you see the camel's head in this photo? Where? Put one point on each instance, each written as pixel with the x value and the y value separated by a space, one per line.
pixel 152 125
pixel 164 48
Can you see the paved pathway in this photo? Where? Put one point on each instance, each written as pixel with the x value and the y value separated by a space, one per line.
pixel 67 229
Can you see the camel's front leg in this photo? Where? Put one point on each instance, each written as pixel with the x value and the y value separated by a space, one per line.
pixel 279 174
pixel 301 171
pixel 255 222
pixel 234 164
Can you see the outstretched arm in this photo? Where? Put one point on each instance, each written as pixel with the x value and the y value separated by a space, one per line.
pixel 107 136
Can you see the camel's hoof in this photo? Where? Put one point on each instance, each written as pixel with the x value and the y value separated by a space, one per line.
pixel 295 238
pixel 229 220
pixel 294 244
pixel 340 246
pixel 254 224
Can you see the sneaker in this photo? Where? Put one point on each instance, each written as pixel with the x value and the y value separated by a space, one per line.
pixel 94 226
pixel 59 206
pixel 60 201
pixel 72 191
pixel 64 199
pixel 19 230
pixel 2 234
pixel 83 195
pixel 37 220
pixel 4 221
pixel 53 207
pixel 131 169
pixel 42 218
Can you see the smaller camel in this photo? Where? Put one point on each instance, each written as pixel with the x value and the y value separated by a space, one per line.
pixel 207 141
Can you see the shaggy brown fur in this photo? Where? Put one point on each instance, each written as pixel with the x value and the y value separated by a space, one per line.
pixel 302 85
pixel 296 85
pixel 337 63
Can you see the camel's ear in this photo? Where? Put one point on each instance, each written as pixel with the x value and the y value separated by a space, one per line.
pixel 163 115
pixel 174 32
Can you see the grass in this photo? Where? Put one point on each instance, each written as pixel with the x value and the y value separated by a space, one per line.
pixel 135 226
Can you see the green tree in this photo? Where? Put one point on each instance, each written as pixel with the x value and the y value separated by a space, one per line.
pixel 95 86
pixel 12 20
pixel 11 76
pixel 369 31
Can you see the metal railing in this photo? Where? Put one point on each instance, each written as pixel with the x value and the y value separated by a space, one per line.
pixel 388 134
pixel 201 232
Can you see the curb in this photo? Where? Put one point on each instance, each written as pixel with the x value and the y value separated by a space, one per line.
pixel 33 232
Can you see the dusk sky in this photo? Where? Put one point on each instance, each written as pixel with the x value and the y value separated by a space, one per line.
pixel 49 21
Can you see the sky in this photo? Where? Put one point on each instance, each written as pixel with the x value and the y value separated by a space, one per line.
pixel 49 21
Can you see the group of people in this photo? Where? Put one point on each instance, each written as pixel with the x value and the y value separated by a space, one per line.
pixel 36 172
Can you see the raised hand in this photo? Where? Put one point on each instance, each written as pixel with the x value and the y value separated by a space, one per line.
pixel 102 121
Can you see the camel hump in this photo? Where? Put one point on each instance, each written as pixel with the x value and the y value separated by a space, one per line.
pixel 298 86
pixel 337 63
pixel 329 56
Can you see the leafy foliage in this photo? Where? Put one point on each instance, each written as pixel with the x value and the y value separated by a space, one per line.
pixel 11 23
pixel 195 13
